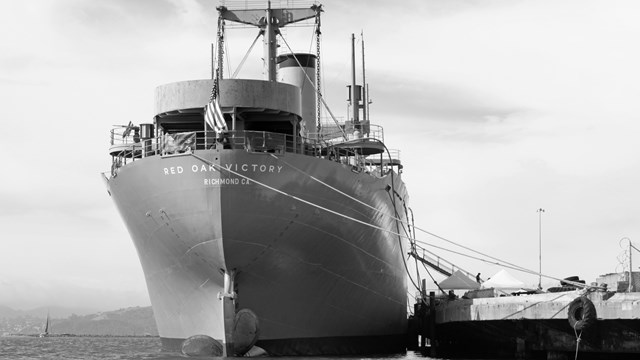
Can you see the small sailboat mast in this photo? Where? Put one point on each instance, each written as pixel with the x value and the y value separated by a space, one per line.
pixel 45 332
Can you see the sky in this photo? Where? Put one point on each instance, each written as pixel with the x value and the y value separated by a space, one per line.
pixel 499 108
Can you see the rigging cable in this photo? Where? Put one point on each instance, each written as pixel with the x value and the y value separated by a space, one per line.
pixel 432 279
pixel 393 202
pixel 383 213
pixel 222 168
pixel 235 73
pixel 222 45
pixel 226 46
pixel 376 209
pixel 396 217
pixel 413 243
pixel 315 88
pixel 386 230
pixel 319 90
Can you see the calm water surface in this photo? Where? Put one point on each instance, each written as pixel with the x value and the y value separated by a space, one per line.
pixel 106 348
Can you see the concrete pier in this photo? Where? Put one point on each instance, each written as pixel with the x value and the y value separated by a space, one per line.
pixel 535 327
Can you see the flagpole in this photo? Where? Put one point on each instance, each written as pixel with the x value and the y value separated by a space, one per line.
pixel 540 211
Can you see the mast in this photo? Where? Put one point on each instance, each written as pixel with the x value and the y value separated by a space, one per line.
pixel 365 91
pixel 354 88
pixel 269 21
pixel 270 42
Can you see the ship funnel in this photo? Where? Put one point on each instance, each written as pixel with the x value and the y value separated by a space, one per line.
pixel 290 72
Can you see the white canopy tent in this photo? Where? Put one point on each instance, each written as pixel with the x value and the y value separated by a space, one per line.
pixel 458 281
pixel 504 281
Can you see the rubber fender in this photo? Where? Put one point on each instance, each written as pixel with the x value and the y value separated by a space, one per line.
pixel 582 313
pixel 246 330
pixel 202 345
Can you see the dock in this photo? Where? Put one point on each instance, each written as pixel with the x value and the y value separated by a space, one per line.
pixel 534 326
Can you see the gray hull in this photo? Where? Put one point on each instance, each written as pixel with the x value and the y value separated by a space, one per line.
pixel 319 283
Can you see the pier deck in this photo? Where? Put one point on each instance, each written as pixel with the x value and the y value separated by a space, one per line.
pixel 535 327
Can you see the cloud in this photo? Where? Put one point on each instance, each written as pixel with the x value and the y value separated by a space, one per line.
pixel 500 107
pixel 434 101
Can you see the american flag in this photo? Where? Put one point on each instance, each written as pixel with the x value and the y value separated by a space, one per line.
pixel 213 116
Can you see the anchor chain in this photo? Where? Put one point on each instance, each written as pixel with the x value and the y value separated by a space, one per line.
pixel 218 74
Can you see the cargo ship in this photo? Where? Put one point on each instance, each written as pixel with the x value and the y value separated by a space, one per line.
pixel 256 223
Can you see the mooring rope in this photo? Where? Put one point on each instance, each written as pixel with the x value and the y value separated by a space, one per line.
pixel 578 339
pixel 497 261
pixel 513 266
pixel 222 168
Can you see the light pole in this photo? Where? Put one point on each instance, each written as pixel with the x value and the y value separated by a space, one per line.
pixel 540 211
pixel 631 248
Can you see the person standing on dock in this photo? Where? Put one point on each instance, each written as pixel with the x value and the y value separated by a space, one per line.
pixel 478 278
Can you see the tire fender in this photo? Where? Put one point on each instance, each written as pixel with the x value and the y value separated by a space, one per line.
pixel 582 313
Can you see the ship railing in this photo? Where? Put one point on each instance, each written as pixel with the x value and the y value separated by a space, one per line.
pixel 132 146
pixel 383 163
pixel 123 134
pixel 333 133
pixel 127 147
pixel 258 4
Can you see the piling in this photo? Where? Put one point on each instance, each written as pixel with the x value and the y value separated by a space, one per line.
pixel 423 325
pixel 432 323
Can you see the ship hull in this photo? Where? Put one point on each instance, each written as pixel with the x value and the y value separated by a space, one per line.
pixel 318 278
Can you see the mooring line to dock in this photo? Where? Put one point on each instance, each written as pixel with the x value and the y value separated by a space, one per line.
pixel 308 203
pixel 394 217
pixel 338 190
pixel 534 304
pixel 296 198
pixel 559 311
pixel 497 262
pixel 514 266
pixel 578 339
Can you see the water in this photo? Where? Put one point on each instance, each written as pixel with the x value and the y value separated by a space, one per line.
pixel 81 348
pixel 116 348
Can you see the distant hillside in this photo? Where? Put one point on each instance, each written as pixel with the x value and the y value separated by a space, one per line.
pixel 135 321
pixel 7 312
pixel 41 312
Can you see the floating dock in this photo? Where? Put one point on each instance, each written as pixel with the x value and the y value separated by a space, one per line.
pixel 557 325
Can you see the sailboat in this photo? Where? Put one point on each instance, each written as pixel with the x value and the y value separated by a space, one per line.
pixel 45 332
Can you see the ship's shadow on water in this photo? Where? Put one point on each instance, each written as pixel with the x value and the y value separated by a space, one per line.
pixel 409 355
